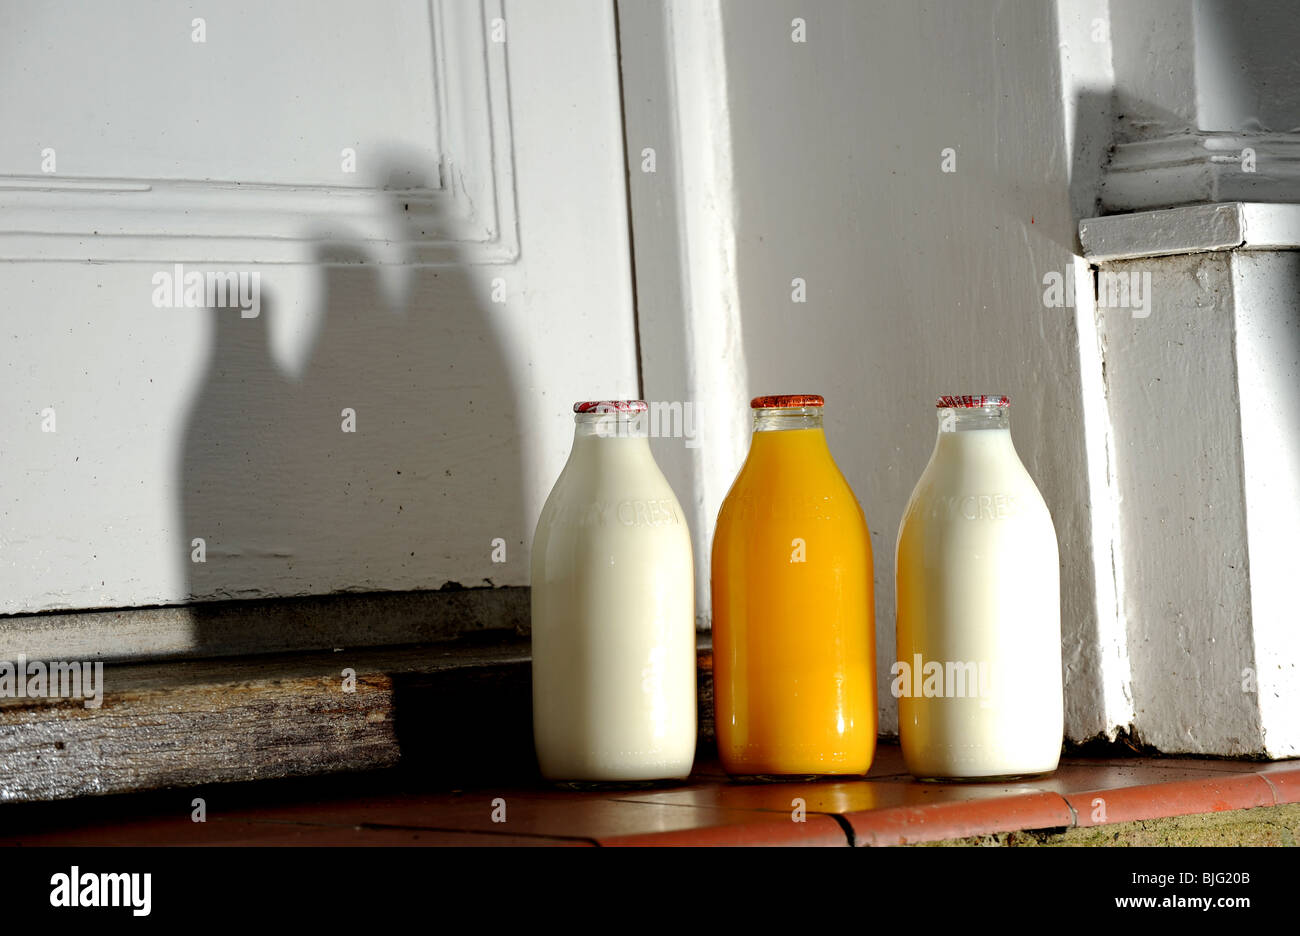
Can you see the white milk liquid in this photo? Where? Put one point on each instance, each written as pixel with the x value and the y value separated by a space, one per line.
pixel 978 593
pixel 613 620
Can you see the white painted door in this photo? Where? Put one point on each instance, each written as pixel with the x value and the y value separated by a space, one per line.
pixel 426 204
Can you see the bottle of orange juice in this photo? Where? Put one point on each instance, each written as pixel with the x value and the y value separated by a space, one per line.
pixel 793 614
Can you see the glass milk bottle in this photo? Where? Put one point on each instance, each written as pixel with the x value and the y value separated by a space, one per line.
pixel 793 613
pixel 613 611
pixel 978 677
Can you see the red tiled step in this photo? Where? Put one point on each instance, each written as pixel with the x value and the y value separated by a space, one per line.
pixel 886 808
pixel 814 830
pixel 959 817
pixel 1174 798
pixel 1284 780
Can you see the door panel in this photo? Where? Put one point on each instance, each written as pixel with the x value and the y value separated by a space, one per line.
pixel 392 409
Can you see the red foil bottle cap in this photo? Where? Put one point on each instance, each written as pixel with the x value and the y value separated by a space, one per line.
pixel 972 402
pixel 610 406
pixel 789 401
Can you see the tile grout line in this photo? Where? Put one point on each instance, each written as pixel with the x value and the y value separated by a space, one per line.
pixel 845 825
pixel 1074 813
pixel 1272 788
pixel 546 837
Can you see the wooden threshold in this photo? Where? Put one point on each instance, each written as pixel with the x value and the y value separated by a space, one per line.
pixel 457 711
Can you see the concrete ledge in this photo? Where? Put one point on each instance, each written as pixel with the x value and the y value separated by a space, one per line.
pixel 279 625
pixel 1191 229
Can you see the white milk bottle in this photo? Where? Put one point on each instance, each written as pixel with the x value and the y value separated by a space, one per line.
pixel 613 611
pixel 978 677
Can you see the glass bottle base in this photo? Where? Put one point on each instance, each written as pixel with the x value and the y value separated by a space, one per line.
pixel 990 778
pixel 794 778
pixel 615 786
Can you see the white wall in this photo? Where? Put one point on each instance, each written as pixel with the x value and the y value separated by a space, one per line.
pixel 919 282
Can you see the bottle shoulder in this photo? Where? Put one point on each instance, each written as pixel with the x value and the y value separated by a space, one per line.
pixel 608 505
pixel 759 499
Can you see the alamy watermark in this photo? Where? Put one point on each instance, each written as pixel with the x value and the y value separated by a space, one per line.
pixel 1116 289
pixel 21 679
pixel 79 888
pixel 660 420
pixel 945 679
pixel 178 289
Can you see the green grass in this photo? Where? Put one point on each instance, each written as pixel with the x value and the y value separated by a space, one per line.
pixel 1267 825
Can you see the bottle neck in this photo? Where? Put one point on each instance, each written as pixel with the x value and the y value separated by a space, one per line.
pixel 776 419
pixel 975 433
pixel 974 419
pixel 632 429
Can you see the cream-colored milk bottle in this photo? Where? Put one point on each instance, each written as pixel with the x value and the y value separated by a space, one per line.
pixel 978 677
pixel 613 611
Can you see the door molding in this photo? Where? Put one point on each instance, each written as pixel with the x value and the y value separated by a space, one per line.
pixel 468 216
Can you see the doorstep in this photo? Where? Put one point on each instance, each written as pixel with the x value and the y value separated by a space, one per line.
pixel 459 712
pixel 886 808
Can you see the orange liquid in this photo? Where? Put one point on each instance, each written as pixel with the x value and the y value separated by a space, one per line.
pixel 793 641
